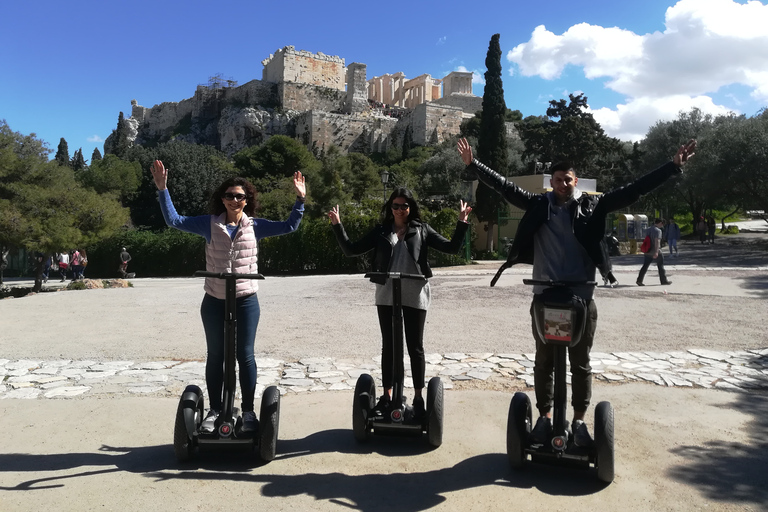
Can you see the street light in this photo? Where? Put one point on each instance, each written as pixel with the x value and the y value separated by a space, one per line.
pixel 384 181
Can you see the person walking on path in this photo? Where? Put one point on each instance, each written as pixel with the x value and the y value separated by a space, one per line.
pixel 124 259
pixel 400 244
pixel 711 228
pixel 63 261
pixel 654 253
pixel 701 227
pixel 673 235
pixel 560 235
pixel 231 234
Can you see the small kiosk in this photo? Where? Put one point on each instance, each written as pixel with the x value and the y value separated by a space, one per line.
pixel 632 228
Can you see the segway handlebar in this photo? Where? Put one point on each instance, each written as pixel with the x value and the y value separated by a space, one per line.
pixel 225 275
pixel 553 283
pixel 396 275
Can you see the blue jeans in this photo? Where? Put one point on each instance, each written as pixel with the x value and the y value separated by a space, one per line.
pixel 248 313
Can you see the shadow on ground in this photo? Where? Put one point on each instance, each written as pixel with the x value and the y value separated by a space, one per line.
pixel 732 471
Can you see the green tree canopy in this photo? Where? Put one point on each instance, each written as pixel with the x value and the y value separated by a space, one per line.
pixel 113 175
pixel 194 172
pixel 42 207
pixel 62 153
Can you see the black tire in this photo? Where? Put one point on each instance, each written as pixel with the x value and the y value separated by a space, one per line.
pixel 435 412
pixel 362 405
pixel 269 423
pixel 191 400
pixel 518 429
pixel 604 442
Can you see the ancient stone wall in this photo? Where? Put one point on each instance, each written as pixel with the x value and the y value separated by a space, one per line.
pixel 466 102
pixel 318 130
pixel 294 96
pixel 289 65
pixel 432 124
pixel 357 95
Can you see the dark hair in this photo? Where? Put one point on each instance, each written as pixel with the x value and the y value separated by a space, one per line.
pixel 413 207
pixel 564 166
pixel 216 206
pixel 656 221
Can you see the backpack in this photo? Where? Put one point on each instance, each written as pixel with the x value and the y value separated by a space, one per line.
pixel 646 246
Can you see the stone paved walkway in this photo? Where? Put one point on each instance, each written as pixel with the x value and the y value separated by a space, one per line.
pixel 36 379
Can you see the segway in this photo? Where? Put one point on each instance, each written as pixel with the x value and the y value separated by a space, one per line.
pixel 190 413
pixel 560 320
pixel 399 419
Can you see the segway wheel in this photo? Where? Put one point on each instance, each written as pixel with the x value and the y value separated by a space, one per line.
pixel 518 428
pixel 604 442
pixel 435 412
pixel 269 422
pixel 365 394
pixel 189 415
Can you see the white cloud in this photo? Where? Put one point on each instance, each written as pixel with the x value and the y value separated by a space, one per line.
pixel 706 45
pixel 441 40
pixel 477 77
pixel 95 138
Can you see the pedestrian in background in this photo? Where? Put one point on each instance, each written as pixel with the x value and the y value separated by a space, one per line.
pixel 673 235
pixel 124 259
pixel 654 232
pixel 711 227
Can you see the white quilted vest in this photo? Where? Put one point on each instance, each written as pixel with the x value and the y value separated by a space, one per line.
pixel 239 256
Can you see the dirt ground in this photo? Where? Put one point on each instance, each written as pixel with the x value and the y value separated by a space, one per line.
pixel 676 449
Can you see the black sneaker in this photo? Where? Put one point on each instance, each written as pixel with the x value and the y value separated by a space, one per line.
pixel 666 282
pixel 542 432
pixel 640 283
pixel 418 408
pixel 385 403
pixel 581 437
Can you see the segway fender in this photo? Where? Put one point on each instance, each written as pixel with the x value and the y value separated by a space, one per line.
pixel 189 401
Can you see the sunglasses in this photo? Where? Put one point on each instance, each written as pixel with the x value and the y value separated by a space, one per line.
pixel 235 197
pixel 396 206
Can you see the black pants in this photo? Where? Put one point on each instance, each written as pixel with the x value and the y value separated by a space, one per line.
pixel 581 371
pixel 647 263
pixel 413 320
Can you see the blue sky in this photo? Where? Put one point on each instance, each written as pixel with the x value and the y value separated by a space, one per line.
pixel 68 68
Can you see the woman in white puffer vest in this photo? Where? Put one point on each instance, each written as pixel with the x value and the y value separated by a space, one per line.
pixel 232 235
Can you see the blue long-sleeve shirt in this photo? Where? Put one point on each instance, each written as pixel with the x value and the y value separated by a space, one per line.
pixel 201 224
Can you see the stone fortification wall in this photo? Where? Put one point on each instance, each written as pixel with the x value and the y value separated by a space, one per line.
pixel 467 102
pixel 357 93
pixel 432 124
pixel 289 65
pixel 355 132
pixel 294 96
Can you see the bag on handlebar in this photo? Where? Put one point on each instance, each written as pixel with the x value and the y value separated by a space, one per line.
pixel 561 300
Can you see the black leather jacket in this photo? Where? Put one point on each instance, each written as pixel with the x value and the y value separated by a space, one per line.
pixel 419 237
pixel 588 211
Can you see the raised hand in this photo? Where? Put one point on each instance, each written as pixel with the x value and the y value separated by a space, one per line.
pixel 465 151
pixel 334 215
pixel 160 174
pixel 685 152
pixel 464 210
pixel 299 184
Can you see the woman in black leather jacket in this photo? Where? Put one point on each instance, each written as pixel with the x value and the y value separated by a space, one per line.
pixel 400 243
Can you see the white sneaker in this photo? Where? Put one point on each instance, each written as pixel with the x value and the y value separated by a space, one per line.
pixel 209 423
pixel 250 423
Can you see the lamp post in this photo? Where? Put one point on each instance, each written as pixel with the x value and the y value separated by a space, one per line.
pixel 384 181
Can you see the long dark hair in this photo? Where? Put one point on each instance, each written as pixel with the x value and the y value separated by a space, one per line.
pixel 216 206
pixel 413 211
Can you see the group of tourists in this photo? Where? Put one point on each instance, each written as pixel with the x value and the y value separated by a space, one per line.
pixel 560 234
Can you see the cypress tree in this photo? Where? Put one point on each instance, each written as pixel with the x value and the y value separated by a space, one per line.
pixel 78 162
pixel 62 153
pixel 96 155
pixel 492 140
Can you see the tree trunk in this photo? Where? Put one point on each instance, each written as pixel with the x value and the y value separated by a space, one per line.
pixel 39 274
pixel 722 221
